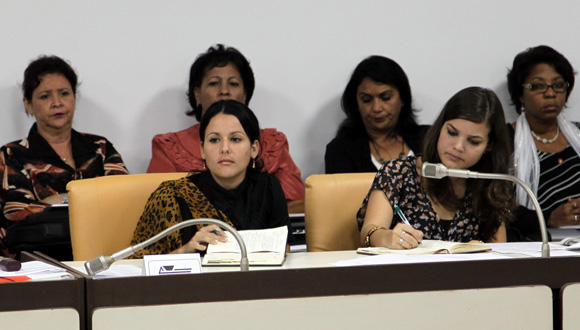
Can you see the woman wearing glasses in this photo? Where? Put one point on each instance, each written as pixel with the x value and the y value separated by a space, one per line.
pixel 546 144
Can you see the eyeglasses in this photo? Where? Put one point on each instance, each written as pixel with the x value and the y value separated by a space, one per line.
pixel 559 87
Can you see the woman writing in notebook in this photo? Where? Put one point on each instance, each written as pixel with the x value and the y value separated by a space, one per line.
pixel 232 189
pixel 470 133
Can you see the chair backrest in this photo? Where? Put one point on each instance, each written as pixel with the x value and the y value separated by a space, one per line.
pixel 104 211
pixel 331 204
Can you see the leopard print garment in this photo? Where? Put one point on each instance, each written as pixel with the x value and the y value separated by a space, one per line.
pixel 162 211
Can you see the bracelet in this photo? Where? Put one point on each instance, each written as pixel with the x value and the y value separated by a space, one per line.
pixel 64 198
pixel 372 231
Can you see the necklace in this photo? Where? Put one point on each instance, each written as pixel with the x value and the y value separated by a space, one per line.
pixel 64 160
pixel 544 140
pixel 381 159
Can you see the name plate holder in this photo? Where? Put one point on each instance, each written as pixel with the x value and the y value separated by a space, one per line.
pixel 172 264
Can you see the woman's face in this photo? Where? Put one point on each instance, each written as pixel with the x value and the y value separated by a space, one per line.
pixel 52 103
pixel 379 105
pixel 462 143
pixel 227 150
pixel 543 106
pixel 220 83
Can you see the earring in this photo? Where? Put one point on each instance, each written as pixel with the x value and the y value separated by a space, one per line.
pixel 523 107
pixel 203 160
pixel 254 163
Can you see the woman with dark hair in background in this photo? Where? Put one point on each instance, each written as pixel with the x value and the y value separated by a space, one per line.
pixel 36 169
pixel 232 189
pixel 546 145
pixel 380 123
pixel 224 73
pixel 469 133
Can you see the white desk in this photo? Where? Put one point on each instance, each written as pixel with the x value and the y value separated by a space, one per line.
pixel 305 290
pixel 296 260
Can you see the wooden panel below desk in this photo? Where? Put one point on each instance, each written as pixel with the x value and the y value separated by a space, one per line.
pixel 500 308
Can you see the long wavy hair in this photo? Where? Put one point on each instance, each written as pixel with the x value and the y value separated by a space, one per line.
pixel 492 199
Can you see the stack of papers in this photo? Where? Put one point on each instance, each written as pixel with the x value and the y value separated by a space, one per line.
pixel 35 271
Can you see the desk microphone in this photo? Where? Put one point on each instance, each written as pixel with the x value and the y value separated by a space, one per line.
pixel 103 262
pixel 438 171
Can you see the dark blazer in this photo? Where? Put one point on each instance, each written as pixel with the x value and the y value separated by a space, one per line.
pixel 350 153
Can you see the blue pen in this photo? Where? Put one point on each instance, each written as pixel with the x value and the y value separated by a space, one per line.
pixel 403 217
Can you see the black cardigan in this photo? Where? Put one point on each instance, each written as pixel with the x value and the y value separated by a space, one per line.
pixel 349 153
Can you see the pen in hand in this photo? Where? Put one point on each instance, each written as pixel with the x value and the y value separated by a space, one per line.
pixel 403 217
pixel 218 233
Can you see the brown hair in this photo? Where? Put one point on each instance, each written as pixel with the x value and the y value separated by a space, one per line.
pixel 492 199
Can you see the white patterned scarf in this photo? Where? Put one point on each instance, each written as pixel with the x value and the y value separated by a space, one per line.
pixel 526 162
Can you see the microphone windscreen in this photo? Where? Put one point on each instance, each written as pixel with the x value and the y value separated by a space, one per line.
pixel 95 266
pixel 429 170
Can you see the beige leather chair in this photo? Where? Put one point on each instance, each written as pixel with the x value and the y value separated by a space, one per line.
pixel 331 204
pixel 104 211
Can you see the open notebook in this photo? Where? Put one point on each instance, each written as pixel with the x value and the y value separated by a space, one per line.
pixel 431 247
pixel 265 247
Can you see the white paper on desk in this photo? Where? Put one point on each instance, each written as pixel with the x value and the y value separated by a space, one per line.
pixel 116 271
pixel 263 240
pixel 34 267
pixel 532 249
pixel 40 271
pixel 573 247
pixel 570 227
pixel 387 259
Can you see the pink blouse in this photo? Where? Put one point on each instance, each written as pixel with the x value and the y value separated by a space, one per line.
pixel 181 152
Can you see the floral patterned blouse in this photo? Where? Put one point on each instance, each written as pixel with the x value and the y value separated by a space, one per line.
pixel 180 152
pixel 401 183
pixel 32 171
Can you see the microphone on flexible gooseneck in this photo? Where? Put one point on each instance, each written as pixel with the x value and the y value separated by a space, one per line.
pixel 103 262
pixel 438 171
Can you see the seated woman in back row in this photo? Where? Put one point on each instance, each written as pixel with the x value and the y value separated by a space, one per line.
pixel 470 133
pixel 233 189
pixel 546 144
pixel 35 170
pixel 380 123
pixel 224 73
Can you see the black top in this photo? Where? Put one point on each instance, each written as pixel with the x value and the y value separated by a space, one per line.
pixel 559 178
pixel 32 171
pixel 257 203
pixel 350 153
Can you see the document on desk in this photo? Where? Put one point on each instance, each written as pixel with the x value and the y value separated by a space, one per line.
pixel 116 271
pixel 387 259
pixel 533 249
pixel 265 247
pixel 570 227
pixel 36 271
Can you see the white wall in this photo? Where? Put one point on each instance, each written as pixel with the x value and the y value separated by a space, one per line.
pixel 133 58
